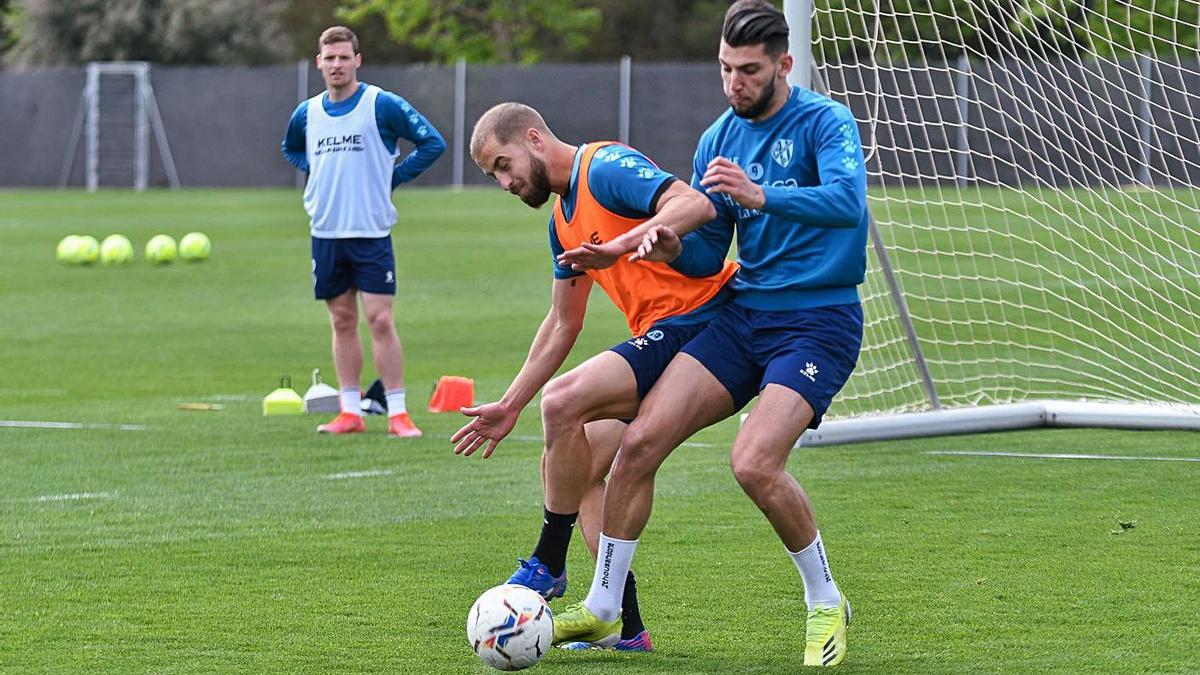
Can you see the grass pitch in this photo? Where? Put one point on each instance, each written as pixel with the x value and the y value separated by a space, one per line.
pixel 226 541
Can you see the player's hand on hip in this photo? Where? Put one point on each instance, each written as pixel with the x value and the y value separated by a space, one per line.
pixel 491 423
pixel 725 177
pixel 592 256
pixel 660 244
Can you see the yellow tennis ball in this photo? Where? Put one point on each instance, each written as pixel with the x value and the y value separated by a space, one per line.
pixel 160 249
pixel 66 248
pixel 116 250
pixel 86 251
pixel 194 247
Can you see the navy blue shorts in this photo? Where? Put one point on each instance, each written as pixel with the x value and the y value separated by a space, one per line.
pixel 341 264
pixel 810 351
pixel 649 354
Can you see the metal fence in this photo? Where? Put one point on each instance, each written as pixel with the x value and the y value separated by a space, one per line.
pixel 225 124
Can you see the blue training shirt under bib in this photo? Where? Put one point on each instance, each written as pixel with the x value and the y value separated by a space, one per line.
pixel 806 247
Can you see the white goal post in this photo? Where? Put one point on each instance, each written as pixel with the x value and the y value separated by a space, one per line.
pixel 1034 255
pixel 117 113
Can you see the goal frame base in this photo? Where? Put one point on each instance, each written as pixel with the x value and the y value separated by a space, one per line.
pixel 1004 417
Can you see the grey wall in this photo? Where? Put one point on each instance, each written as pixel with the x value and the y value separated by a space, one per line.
pixel 42 106
pixel 224 125
pixel 670 106
pixel 1058 124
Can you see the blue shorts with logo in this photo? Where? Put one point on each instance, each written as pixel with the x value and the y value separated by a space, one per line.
pixel 810 351
pixel 649 354
pixel 341 264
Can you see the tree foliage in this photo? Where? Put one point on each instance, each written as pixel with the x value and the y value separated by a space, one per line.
pixel 523 31
pixel 7 16
pixel 1119 28
pixel 53 32
pixel 49 32
pixel 303 21
pixel 942 29
pixel 679 30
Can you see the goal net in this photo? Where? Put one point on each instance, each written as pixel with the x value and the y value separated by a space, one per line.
pixel 117 114
pixel 1034 171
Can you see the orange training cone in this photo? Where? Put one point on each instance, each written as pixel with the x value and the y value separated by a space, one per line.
pixel 451 393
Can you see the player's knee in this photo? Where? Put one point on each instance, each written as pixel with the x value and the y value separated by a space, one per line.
pixel 751 472
pixel 638 456
pixel 559 403
pixel 344 321
pixel 380 323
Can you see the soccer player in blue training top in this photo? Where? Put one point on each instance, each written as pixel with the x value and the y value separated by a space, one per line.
pixel 347 139
pixel 785 165
pixel 608 195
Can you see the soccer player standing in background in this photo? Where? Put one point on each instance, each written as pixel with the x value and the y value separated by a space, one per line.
pixel 786 166
pixel 608 195
pixel 347 139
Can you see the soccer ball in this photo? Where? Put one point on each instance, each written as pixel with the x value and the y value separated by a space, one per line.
pixel 510 627
pixel 160 249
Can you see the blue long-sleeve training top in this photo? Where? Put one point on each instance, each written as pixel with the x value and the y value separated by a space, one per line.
pixel 806 247
pixel 396 118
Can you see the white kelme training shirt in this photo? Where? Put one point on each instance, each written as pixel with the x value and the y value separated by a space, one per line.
pixel 349 191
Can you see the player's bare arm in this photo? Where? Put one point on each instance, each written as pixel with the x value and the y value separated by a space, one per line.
pixel 491 422
pixel 679 208
pixel 660 244
pixel 725 177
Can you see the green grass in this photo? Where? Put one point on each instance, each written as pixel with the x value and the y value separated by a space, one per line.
pixel 216 541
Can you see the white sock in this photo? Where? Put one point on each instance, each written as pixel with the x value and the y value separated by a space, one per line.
pixel 819 589
pixel 395 401
pixel 608 583
pixel 352 401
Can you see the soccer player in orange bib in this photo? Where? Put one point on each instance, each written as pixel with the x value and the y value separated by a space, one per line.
pixel 608 196
pixel 785 169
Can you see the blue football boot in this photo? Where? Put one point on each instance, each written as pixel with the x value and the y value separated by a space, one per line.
pixel 533 574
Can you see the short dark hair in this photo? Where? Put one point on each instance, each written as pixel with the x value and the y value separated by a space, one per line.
pixel 335 34
pixel 505 122
pixel 756 22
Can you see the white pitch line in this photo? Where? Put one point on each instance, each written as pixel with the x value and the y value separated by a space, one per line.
pixel 358 474
pixel 1030 455
pixel 539 439
pixel 74 496
pixel 25 424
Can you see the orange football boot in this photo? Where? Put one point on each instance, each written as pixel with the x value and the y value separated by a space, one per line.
pixel 401 425
pixel 344 423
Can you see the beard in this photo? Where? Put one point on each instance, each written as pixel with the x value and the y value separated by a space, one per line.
pixel 538 191
pixel 757 107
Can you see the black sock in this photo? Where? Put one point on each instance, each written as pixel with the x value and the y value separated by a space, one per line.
pixel 631 616
pixel 556 537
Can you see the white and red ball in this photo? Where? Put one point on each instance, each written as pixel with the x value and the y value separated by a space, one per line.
pixel 510 627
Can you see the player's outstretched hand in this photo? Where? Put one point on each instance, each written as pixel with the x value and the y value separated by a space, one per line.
pixel 592 256
pixel 491 423
pixel 725 177
pixel 660 244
